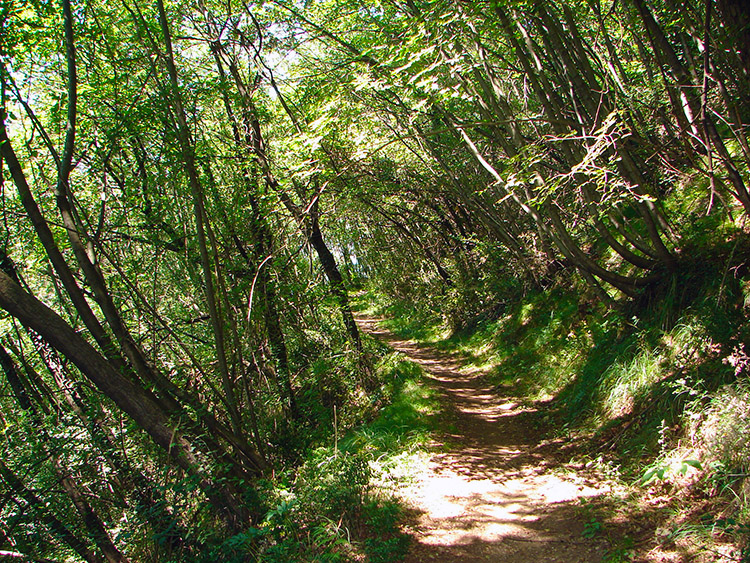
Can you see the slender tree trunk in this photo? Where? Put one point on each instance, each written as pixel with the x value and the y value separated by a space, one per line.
pixel 91 520
pixel 46 516
pixel 188 157
pixel 77 235
pixel 332 272
pixel 262 245
pixel 125 394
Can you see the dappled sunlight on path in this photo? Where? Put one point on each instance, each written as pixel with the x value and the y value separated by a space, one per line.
pixel 493 491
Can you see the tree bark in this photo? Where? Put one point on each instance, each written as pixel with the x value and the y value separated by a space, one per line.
pixel 124 393
pixel 188 156
pixel 262 242
pixel 46 516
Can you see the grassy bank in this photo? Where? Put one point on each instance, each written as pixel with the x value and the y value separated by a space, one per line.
pixel 655 390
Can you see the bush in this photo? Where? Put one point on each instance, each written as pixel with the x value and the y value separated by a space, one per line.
pixel 724 434
pixel 332 484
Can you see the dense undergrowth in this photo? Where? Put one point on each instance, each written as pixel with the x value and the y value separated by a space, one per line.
pixel 332 501
pixel 655 389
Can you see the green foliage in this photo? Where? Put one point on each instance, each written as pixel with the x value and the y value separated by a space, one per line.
pixel 466 191
pixel 325 508
pixel 734 529
pixel 722 429
pixel 332 484
pixel 623 552
pixel 661 470
pixel 234 549
pixel 591 528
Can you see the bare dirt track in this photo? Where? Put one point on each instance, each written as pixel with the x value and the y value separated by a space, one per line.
pixel 493 490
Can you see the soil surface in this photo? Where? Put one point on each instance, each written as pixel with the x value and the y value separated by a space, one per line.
pixel 494 490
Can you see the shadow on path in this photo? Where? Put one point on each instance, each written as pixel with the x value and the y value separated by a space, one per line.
pixel 493 491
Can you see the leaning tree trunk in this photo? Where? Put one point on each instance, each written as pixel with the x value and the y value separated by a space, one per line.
pixel 130 398
pixel 262 240
pixel 332 272
pixel 188 156
pixel 52 522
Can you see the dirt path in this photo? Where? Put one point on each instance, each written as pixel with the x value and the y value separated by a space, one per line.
pixel 494 491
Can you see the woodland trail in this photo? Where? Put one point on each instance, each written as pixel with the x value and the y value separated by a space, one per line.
pixel 493 490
